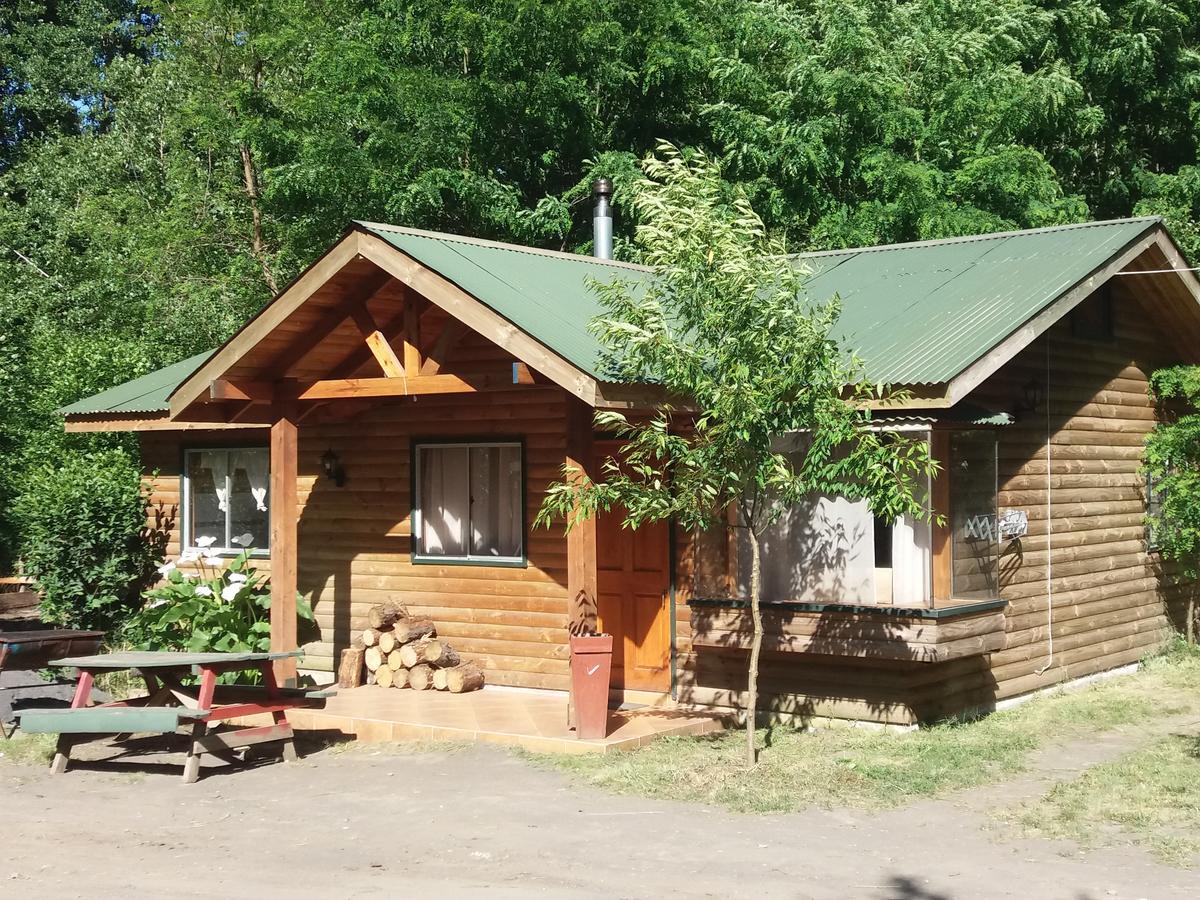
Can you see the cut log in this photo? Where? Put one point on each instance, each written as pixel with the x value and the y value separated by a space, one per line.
pixel 412 654
pixel 387 642
pixel 350 669
pixel 467 677
pixel 400 678
pixel 384 676
pixel 439 654
pixel 420 678
pixel 394 662
pixel 384 615
pixel 439 679
pixel 373 658
pixel 407 630
pixel 370 637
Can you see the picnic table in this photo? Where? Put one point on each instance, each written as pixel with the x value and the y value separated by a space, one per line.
pixel 203 711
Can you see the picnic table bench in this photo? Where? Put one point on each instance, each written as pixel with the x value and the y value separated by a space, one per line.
pixel 170 706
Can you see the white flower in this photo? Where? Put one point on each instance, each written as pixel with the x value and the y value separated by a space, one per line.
pixel 189 556
pixel 205 541
pixel 203 590
pixel 155 604
pixel 215 561
pixel 243 540
pixel 229 592
pixel 236 577
pixel 189 576
pixel 166 568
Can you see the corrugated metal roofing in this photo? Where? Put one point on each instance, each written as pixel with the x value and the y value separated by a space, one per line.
pixel 147 394
pixel 914 313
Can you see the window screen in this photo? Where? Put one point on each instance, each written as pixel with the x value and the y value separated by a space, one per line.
pixel 975 544
pixel 470 503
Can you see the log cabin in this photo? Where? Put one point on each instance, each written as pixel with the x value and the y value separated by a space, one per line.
pixel 385 429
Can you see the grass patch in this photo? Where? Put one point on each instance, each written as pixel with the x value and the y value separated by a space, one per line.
pixel 1150 797
pixel 866 768
pixel 28 749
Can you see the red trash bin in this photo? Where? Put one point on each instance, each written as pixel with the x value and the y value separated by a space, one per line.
pixel 591 669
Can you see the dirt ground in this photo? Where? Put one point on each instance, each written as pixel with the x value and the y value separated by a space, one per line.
pixel 472 822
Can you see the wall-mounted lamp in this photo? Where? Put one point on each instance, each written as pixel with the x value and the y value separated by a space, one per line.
pixel 1031 397
pixel 331 465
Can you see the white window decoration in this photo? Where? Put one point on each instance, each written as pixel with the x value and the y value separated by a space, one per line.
pixel 225 499
pixel 469 503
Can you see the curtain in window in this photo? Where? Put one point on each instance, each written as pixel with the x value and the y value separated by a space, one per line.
pixel 444 500
pixel 496 501
pixel 249 521
pixel 911 542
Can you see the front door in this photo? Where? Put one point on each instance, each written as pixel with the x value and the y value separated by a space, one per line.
pixel 633 587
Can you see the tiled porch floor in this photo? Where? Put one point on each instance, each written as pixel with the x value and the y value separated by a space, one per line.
pixel 534 720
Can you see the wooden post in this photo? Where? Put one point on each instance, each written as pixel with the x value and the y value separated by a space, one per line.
pixel 939 445
pixel 284 552
pixel 581 542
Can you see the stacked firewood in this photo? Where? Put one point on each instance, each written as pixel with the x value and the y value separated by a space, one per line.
pixel 398 650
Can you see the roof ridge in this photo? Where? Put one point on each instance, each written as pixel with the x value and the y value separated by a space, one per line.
pixel 969 238
pixel 500 245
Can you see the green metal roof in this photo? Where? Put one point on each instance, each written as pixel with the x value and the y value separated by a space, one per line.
pixel 916 313
pixel 147 394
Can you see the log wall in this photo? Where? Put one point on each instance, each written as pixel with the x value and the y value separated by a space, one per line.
pixel 354 540
pixel 1113 600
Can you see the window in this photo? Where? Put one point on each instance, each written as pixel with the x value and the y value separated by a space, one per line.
pixel 225 498
pixel 974 544
pixel 469 503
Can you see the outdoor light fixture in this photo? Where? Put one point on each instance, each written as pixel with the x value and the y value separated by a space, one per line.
pixel 1031 396
pixel 331 465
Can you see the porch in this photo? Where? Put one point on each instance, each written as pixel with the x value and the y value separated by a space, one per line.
pixel 531 719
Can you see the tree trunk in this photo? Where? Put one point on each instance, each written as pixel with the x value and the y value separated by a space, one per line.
pixel 257 244
pixel 755 648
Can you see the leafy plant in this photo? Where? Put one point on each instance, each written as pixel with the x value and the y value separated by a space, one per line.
pixel 85 538
pixel 220 608
pixel 725 326
pixel 1172 463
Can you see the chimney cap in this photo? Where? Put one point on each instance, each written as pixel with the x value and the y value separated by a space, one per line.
pixel 602 187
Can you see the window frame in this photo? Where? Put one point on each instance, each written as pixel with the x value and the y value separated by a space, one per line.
pixel 185 501
pixel 1154 494
pixel 416 553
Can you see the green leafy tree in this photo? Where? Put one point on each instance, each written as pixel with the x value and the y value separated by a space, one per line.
pixel 1172 464
pixel 726 326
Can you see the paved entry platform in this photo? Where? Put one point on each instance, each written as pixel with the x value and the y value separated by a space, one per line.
pixel 533 719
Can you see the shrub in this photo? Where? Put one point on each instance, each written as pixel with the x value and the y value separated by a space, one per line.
pixel 84 538
pixel 225 609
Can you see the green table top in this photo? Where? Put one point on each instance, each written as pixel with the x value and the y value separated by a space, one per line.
pixel 149 659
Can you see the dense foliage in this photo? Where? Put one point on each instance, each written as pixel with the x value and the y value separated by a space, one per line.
pixel 224 608
pixel 165 165
pixel 86 540
pixel 724 323
pixel 1172 465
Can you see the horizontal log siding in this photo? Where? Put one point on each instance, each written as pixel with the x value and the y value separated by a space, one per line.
pixel 354 540
pixel 1113 600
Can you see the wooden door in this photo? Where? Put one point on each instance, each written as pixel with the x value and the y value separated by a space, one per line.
pixel 633 583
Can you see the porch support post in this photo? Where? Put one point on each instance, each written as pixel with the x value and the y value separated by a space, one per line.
pixel 284 555
pixel 939 499
pixel 581 541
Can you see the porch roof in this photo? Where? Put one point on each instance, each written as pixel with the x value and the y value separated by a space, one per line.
pixel 917 314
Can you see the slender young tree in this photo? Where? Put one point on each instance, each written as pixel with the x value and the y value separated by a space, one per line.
pixel 725 327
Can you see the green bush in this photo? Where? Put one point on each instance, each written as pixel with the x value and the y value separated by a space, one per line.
pixel 84 538
pixel 224 608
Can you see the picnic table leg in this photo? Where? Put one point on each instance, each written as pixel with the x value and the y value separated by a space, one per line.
pixel 279 716
pixel 204 700
pixel 82 698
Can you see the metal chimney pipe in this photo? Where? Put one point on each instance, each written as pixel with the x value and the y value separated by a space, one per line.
pixel 602 223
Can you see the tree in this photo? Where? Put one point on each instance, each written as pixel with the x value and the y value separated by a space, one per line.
pixel 1172 466
pixel 725 326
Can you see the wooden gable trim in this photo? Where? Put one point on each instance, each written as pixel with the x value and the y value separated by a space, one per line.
pixel 478 316
pixel 275 312
pixel 975 374
pixel 150 422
